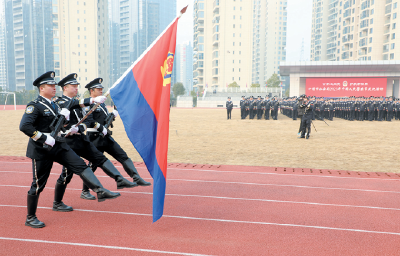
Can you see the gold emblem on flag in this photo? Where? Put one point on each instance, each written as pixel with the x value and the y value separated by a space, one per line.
pixel 166 71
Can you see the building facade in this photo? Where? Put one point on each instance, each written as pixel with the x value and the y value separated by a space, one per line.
pixel 235 41
pixel 183 66
pixel 29 42
pixel 354 30
pixel 83 41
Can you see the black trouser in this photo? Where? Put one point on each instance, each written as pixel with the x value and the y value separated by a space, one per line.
pixel 389 115
pixel 229 112
pixel 295 114
pixel 301 124
pixel 380 115
pixel 259 113
pixel 267 114
pixel 81 145
pixel 251 114
pixel 242 113
pixel 370 115
pixel 331 112
pixel 109 145
pixel 306 125
pixel 41 167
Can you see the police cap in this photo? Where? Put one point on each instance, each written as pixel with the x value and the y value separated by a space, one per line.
pixel 46 78
pixel 96 83
pixel 70 79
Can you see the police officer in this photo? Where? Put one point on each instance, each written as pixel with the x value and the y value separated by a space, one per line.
pixel 243 108
pixel 229 107
pixel 251 107
pixel 267 107
pixel 35 123
pixel 259 108
pixel 82 146
pixel 107 143
pixel 306 119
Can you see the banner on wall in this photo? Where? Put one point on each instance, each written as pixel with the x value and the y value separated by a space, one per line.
pixel 345 87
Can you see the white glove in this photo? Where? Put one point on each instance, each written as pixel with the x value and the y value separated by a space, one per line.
pixel 73 130
pixel 50 141
pixel 99 99
pixel 65 112
pixel 115 112
pixel 104 131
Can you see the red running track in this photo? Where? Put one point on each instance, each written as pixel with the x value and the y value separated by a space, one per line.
pixel 210 210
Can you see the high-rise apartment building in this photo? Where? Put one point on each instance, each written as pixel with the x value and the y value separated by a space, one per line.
pixel 269 39
pixel 354 30
pixel 237 41
pixel 84 40
pixel 3 69
pixel 183 66
pixel 29 41
pixel 140 23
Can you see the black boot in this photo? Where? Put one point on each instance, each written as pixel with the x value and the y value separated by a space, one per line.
pixel 111 171
pixel 31 219
pixel 133 173
pixel 58 204
pixel 86 193
pixel 92 182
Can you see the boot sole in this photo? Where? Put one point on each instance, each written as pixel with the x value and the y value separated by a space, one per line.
pixel 105 198
pixel 88 198
pixel 122 187
pixel 28 225
pixel 144 185
pixel 66 210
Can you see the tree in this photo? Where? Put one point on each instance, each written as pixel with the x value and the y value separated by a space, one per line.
pixel 255 85
pixel 233 85
pixel 274 81
pixel 178 89
pixel 287 93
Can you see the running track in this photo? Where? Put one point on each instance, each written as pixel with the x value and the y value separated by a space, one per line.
pixel 210 210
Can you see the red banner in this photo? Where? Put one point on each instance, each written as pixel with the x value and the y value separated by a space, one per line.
pixel 345 87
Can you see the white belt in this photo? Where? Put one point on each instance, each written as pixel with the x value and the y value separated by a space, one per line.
pixel 92 130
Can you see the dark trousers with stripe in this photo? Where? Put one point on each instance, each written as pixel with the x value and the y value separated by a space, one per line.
pixel 41 167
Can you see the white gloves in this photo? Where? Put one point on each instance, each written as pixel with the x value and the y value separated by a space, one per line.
pixel 65 112
pixel 73 130
pixel 50 141
pixel 104 131
pixel 115 112
pixel 99 99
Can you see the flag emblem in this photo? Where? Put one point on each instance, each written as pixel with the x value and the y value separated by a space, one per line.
pixel 166 71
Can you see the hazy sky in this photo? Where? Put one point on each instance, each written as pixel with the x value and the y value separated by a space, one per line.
pixel 299 26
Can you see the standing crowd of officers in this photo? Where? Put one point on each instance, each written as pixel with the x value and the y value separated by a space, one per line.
pixel 348 108
pixel 260 108
pixel 57 131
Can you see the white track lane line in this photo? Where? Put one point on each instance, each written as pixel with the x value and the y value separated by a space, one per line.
pixel 244 199
pixel 229 221
pixel 260 173
pixel 259 184
pixel 97 246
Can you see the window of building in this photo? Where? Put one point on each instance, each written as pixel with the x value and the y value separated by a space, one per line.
pixel 370 39
pixel 392 56
pixel 233 16
pixel 394 36
pixel 76 11
pixel 233 34
pixel 233 43
pixel 233 69
pixel 371 30
pixel 233 25
pixel 79 29
pixel 395 15
pixel 394 26
pixel 394 5
pixel 392 46
pixel 370 49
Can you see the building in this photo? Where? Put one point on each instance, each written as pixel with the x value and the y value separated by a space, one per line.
pixel 140 23
pixel 29 41
pixel 343 78
pixel 3 69
pixel 235 41
pixel 114 40
pixel 183 66
pixel 354 30
pixel 269 39
pixel 83 40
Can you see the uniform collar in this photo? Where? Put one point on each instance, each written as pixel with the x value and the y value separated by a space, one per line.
pixel 48 101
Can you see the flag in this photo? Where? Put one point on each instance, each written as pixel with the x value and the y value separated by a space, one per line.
pixel 142 97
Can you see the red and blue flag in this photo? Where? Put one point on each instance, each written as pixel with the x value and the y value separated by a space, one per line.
pixel 142 97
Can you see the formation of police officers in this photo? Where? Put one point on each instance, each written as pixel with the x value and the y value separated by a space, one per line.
pixel 70 145
pixel 348 108
pixel 260 108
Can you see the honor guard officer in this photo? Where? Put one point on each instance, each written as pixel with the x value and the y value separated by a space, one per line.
pixel 106 143
pixel 229 107
pixel 82 146
pixel 35 123
pixel 243 108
